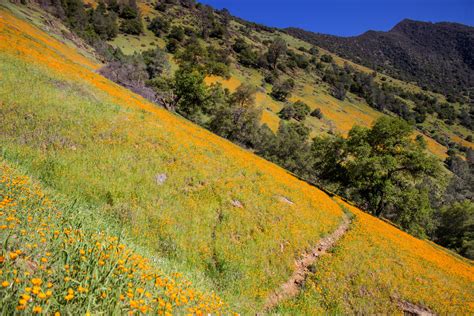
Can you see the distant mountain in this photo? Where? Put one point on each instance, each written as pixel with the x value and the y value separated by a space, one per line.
pixel 438 56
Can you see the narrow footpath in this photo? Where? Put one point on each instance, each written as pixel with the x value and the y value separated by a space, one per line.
pixel 292 287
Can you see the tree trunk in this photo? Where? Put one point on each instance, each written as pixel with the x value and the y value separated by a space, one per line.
pixel 380 207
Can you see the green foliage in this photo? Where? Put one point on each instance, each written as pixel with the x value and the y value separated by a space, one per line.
pixel 314 51
pixel 159 26
pixel 176 33
pixel 297 60
pixel 298 111
pixel 132 26
pixel 75 13
pixel 245 54
pixel 172 46
pixel 239 119
pixel 317 113
pixel 290 148
pixel 208 60
pixel 129 12
pixel 156 62
pixel 105 24
pixel 281 91
pixel 384 170
pixel 276 50
pixel 211 26
pixel 131 19
pixel 192 93
pixel 326 58
pixel 456 230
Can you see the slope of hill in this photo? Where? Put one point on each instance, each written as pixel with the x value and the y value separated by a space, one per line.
pixel 311 88
pixel 438 56
pixel 365 275
pixel 184 194
pixel 60 258
pixel 180 190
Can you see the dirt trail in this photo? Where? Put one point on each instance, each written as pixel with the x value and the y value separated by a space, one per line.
pixel 292 287
pixel 414 309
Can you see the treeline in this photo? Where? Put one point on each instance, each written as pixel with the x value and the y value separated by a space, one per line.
pixel 100 24
pixel 403 53
pixel 387 97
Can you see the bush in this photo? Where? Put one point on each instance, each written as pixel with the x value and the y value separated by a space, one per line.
pixel 172 46
pixel 314 51
pixel 132 26
pixel 218 69
pixel 240 120
pixel 456 229
pixel 159 26
pixel 317 113
pixel 177 33
pixel 339 92
pixel 270 77
pixel 246 56
pixel 239 45
pixel 298 111
pixel 326 58
pixel 276 50
pixel 281 91
pixel 156 62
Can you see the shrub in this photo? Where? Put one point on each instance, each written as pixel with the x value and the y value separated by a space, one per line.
pixel 457 227
pixel 314 51
pixel 156 62
pixel 317 113
pixel 176 33
pixel 270 77
pixel 326 58
pixel 132 26
pixel 298 111
pixel 281 91
pixel 159 26
pixel 275 51
pixel 172 46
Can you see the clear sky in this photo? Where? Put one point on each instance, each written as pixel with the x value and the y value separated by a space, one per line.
pixel 347 17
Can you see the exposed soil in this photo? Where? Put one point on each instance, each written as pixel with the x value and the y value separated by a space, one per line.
pixel 414 309
pixel 292 287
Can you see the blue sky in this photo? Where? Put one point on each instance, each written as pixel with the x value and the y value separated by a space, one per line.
pixel 347 17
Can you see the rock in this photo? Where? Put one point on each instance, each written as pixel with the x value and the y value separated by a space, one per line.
pixel 161 178
pixel 237 203
pixel 285 200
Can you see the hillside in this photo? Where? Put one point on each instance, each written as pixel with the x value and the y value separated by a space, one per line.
pixel 437 56
pixel 189 201
pixel 441 130
pixel 61 258
pixel 221 211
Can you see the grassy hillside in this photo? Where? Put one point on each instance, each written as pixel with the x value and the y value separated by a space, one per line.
pixel 218 213
pixel 221 210
pixel 58 257
pixel 310 87
pixel 367 273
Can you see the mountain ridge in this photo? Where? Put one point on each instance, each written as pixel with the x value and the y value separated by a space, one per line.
pixel 436 55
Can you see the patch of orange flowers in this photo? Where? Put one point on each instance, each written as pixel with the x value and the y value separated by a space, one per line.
pixel 52 263
pixel 376 265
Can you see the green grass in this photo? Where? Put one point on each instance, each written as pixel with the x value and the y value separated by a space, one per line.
pixel 375 265
pixel 89 146
pixel 130 44
pixel 58 256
